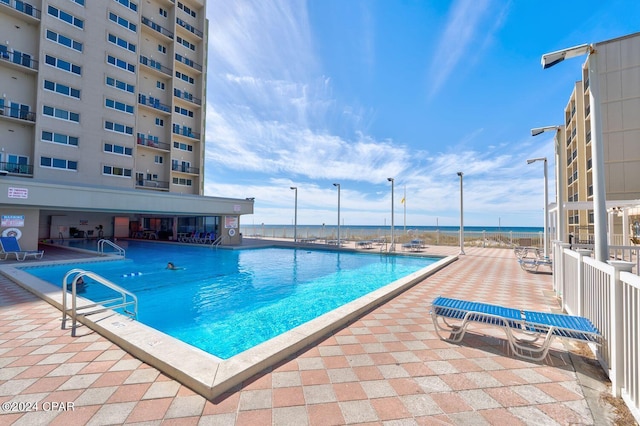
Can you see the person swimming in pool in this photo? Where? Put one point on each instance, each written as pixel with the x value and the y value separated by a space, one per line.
pixel 81 286
pixel 173 267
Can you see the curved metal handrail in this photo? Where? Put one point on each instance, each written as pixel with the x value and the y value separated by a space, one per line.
pixel 119 250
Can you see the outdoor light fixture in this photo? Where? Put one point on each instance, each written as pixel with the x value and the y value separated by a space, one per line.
pixel 338 185
pixel 295 217
pixel 546 205
pixel 560 230
pixel 461 217
pixel 392 247
pixel 601 247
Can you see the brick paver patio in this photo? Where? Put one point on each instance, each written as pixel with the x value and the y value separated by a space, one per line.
pixel 388 367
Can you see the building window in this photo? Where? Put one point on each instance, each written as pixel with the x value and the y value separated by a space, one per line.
pixel 122 22
pixel 119 63
pixel 64 40
pixel 59 138
pixel 129 4
pixel 62 64
pixel 162 49
pixel 186 43
pixel 160 85
pixel 62 89
pixel 118 128
pixel 120 42
pixel 183 146
pixel 158 159
pixel 80 2
pixel 183 111
pixel 184 77
pixel 182 181
pixel 58 163
pixel 61 114
pixel 159 122
pixel 118 149
pixel 121 85
pixel 65 17
pixel 186 9
pixel 118 106
pixel 116 171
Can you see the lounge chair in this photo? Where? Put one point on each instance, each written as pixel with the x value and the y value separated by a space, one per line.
pixel 531 258
pixel 11 246
pixel 524 329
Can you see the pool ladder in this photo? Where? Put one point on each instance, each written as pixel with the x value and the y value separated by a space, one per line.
pixel 126 300
pixel 101 243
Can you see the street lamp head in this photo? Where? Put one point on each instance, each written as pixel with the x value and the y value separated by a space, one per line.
pixel 539 130
pixel 460 174
pixel 336 184
pixel 533 160
pixel 550 59
pixel 294 187
pixel 390 179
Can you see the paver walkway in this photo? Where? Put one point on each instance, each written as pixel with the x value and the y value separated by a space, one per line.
pixel 389 367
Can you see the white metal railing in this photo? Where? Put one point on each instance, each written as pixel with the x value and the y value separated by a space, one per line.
pixel 119 250
pixel 217 241
pixel 626 253
pixel 124 300
pixel 608 294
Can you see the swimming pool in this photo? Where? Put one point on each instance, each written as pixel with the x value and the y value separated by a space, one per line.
pixel 227 301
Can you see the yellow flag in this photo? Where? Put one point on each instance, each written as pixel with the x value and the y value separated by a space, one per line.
pixel 402 201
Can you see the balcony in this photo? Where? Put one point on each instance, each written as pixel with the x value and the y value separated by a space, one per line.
pixel 189 62
pixel 155 65
pixel 153 103
pixel 17 113
pixel 185 131
pixel 189 27
pixel 18 58
pixel 22 7
pixel 15 168
pixel 153 184
pixel 186 96
pixel 152 142
pixel 158 28
pixel 185 169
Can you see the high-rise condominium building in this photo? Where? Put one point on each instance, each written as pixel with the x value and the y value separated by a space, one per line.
pixel 105 94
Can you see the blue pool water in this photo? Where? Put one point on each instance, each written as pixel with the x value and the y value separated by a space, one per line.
pixel 227 301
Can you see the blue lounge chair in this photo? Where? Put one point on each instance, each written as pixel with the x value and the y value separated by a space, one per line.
pixel 10 246
pixel 524 329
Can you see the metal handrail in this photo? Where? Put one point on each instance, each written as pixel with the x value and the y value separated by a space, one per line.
pixel 119 250
pixel 125 300
pixel 218 241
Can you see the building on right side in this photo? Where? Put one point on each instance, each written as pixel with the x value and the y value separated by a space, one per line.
pixel 618 72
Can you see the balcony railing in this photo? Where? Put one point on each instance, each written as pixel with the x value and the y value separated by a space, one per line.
pixel 152 63
pixel 18 58
pixel 184 169
pixel 153 143
pixel 17 113
pixel 153 103
pixel 15 168
pixel 186 96
pixel 189 27
pixel 149 23
pixel 148 183
pixel 188 62
pixel 23 7
pixel 185 131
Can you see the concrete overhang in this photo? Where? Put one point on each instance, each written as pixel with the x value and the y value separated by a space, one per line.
pixel 20 192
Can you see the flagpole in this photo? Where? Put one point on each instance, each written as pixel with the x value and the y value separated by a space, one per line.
pixel 404 202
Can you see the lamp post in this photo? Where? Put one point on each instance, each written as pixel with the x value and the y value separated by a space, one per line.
pixel 338 185
pixel 546 204
pixel 461 217
pixel 393 241
pixel 560 172
pixel 295 216
pixel 597 150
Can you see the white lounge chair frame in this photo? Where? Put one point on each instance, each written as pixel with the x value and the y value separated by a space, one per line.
pixel 529 333
pixel 20 254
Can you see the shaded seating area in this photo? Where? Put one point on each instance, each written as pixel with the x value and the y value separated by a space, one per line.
pixel 529 333
pixel 11 247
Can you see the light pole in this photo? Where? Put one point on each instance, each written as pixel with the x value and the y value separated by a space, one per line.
pixel 546 204
pixel 392 246
pixel 295 217
pixel 338 185
pixel 560 172
pixel 597 150
pixel 461 217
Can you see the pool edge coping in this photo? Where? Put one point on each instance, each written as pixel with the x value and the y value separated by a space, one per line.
pixel 200 371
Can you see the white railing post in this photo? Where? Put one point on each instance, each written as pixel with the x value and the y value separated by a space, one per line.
pixel 580 288
pixel 558 267
pixel 616 340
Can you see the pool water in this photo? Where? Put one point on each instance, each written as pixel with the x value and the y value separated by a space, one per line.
pixel 227 301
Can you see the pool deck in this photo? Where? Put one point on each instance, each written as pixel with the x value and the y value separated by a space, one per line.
pixel 387 367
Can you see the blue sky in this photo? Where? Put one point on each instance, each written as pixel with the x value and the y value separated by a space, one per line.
pixel 307 94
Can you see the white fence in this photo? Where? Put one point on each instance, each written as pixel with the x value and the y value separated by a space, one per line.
pixel 609 295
